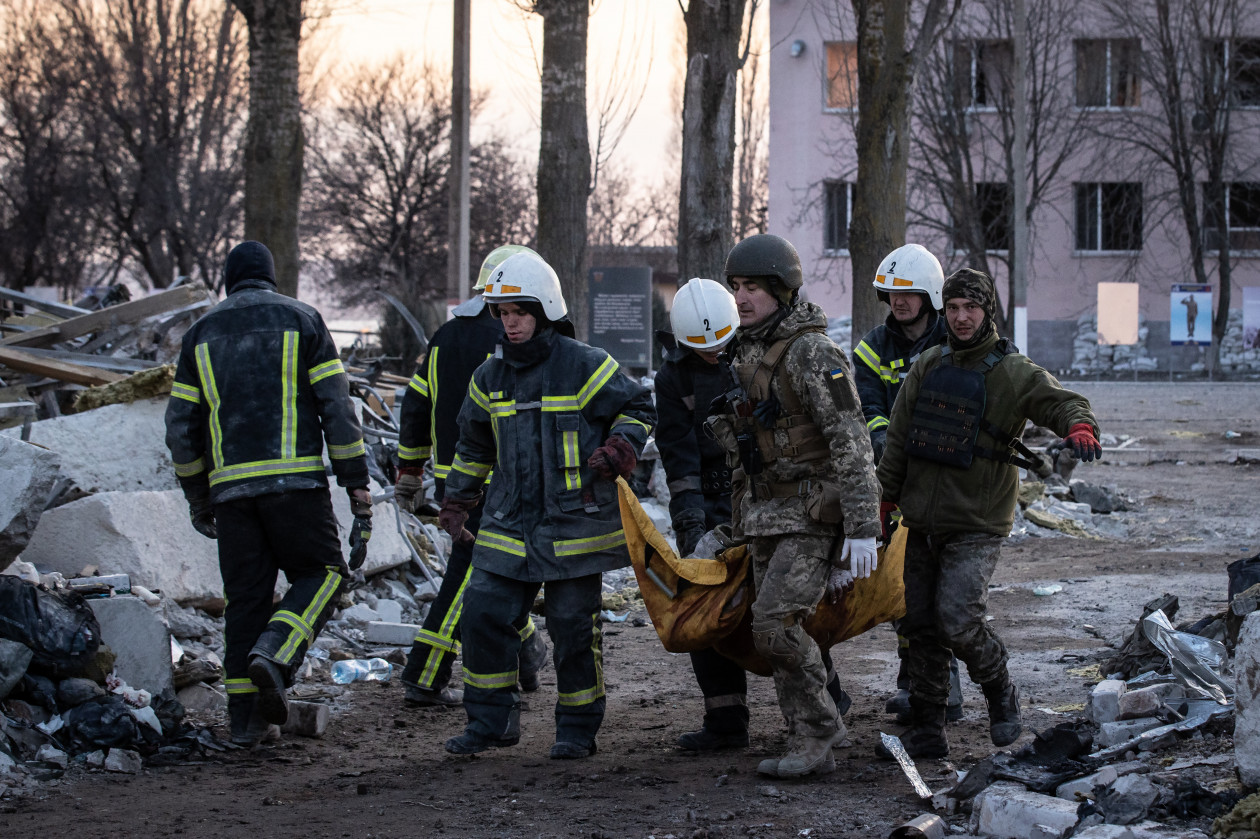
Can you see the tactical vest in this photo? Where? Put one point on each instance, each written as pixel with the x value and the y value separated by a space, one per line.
pixel 805 440
pixel 949 415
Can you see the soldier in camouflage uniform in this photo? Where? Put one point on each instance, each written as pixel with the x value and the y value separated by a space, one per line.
pixel 951 465
pixel 805 495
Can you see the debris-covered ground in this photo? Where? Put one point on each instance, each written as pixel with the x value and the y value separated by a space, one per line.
pixel 1181 476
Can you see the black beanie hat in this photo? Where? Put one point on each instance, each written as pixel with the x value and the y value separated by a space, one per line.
pixel 248 261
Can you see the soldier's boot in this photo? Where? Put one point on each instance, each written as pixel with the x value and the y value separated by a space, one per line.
pixel 926 735
pixel 899 703
pixel 806 756
pixel 271 681
pixel 954 708
pixel 1005 723
pixel 247 726
pixel 533 658
pixel 708 740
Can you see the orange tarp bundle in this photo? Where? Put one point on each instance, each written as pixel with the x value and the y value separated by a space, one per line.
pixel 698 603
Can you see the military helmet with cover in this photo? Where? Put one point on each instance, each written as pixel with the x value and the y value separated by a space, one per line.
pixel 766 256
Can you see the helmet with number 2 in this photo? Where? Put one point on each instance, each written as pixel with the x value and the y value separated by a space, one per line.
pixel 704 315
pixel 527 276
pixel 911 268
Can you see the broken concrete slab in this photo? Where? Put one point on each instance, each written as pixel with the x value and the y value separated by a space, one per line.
pixel 1009 811
pixel 1104 701
pixel 139 639
pixel 146 535
pixel 1147 702
pixel 29 475
pixel 123 761
pixel 1247 701
pixel 307 719
pixel 389 610
pixel 1120 731
pixel 202 697
pixel 1104 831
pixel 1155 830
pixel 1078 788
pixel 53 756
pixel 1128 799
pixel 118 448
pixel 390 633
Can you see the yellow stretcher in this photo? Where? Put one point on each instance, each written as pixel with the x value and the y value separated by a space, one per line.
pixel 699 603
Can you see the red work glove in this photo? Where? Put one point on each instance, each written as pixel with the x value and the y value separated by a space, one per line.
pixel 886 510
pixel 452 516
pixel 615 457
pixel 1083 442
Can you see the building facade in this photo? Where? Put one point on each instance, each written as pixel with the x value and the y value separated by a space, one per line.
pixel 1116 154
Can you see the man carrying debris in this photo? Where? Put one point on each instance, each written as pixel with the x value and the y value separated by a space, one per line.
pixel 909 280
pixel 951 466
pixel 805 493
pixel 429 431
pixel 557 422
pixel 258 391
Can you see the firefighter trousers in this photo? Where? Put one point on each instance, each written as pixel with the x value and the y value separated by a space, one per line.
pixel 294 532
pixel 493 607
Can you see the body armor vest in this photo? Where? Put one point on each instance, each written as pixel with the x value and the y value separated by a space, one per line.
pixel 805 441
pixel 949 415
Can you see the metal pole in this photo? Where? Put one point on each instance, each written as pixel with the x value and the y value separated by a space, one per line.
pixel 457 265
pixel 1019 194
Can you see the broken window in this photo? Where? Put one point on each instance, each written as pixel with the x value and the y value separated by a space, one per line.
pixel 1109 217
pixel 982 73
pixel 1234 70
pixel 838 204
pixel 1241 212
pixel 842 90
pixel 1107 72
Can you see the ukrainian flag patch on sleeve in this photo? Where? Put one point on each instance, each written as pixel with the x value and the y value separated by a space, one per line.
pixel 838 373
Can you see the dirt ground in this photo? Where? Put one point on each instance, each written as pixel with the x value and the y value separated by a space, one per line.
pixel 381 770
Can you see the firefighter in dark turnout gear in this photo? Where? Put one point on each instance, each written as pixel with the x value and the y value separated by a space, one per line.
pixel 258 391
pixel 951 467
pixel 805 496
pixel 556 422
pixel 909 280
pixel 429 431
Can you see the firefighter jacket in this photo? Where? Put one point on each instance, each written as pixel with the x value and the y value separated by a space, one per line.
pixel 430 407
pixel 881 362
pixel 813 471
pixel 938 499
pixel 535 413
pixel 258 390
pixel 695 464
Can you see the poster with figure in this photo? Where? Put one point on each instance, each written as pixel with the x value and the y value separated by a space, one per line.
pixel 1117 313
pixel 1190 315
pixel 1251 318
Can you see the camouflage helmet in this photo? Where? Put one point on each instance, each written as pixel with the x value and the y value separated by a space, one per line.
pixel 973 285
pixel 767 256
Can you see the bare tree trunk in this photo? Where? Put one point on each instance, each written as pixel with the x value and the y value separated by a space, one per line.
pixel 564 154
pixel 274 143
pixel 708 146
pixel 886 66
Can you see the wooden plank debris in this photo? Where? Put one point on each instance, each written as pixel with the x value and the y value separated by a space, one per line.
pixel 59 309
pixel 65 371
pixel 135 310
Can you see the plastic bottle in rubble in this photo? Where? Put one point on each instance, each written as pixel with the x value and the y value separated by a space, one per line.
pixel 361 670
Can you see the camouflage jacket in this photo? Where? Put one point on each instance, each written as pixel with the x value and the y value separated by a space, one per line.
pixel 821 379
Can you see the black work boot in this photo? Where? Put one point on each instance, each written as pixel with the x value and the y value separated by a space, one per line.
pixel 471 743
pixel 899 703
pixel 708 740
pixel 418 697
pixel 954 708
pixel 270 680
pixel 532 659
pixel 1005 724
pixel 926 735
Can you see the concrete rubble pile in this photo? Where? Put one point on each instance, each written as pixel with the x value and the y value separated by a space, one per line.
pixel 1168 744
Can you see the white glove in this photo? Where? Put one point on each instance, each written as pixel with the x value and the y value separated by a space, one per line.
pixel 861 556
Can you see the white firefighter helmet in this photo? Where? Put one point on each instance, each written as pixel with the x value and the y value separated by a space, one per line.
pixel 911 268
pixel 704 315
pixel 526 276
pixel 494 259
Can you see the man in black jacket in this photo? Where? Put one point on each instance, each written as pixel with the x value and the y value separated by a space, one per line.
pixel 429 431
pixel 258 391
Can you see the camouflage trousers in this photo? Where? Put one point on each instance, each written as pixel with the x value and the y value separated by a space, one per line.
pixel 790 574
pixel 947 595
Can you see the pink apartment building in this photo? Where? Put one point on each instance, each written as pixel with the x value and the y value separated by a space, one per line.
pixel 1106 208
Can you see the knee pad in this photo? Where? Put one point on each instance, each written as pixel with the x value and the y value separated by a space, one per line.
pixel 785 646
